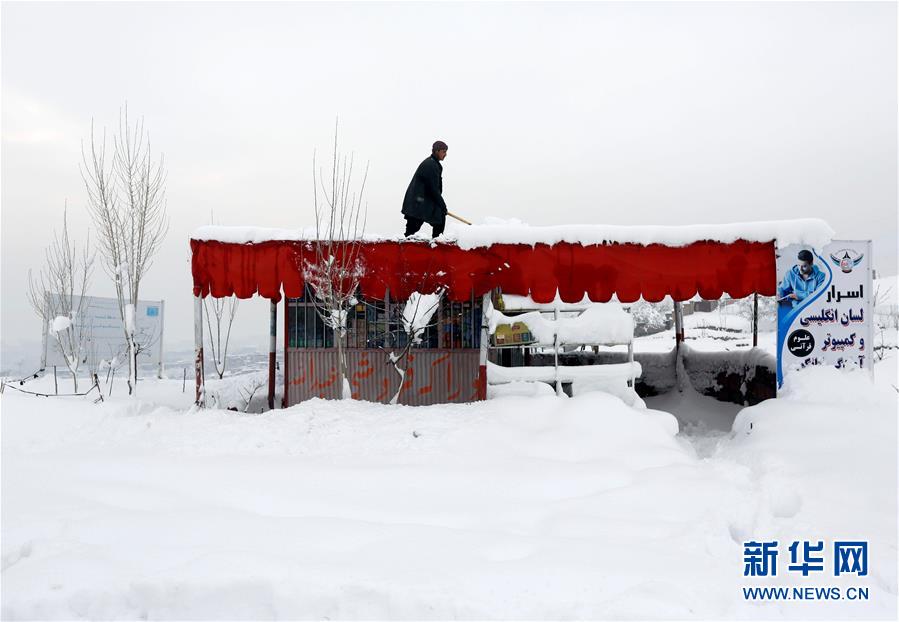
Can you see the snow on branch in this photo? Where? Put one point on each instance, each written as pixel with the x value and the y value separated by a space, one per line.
pixel 417 315
pixel 126 201
pixel 58 295
pixel 336 269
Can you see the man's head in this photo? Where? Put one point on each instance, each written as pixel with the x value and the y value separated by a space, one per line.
pixel 805 261
pixel 438 149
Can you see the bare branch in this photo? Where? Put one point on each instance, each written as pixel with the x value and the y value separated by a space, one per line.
pixel 58 295
pixel 126 201
pixel 219 318
pixel 334 269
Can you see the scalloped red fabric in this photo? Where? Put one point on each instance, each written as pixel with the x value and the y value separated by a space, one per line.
pixel 710 269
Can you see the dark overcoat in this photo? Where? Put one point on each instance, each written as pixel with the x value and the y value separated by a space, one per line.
pixel 424 196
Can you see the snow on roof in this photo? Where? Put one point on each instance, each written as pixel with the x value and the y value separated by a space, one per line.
pixel 809 231
pixel 599 324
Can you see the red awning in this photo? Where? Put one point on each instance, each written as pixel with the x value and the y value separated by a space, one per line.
pixel 629 270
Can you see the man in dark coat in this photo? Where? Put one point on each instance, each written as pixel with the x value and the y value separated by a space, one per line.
pixel 424 202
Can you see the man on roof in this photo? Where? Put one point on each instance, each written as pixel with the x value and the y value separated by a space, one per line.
pixel 424 202
pixel 801 280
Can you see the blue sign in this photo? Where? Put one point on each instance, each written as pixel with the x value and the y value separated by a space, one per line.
pixel 824 306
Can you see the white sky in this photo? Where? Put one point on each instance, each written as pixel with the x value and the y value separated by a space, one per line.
pixel 639 113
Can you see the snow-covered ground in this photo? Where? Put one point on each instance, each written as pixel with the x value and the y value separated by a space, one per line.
pixel 527 506
pixel 724 329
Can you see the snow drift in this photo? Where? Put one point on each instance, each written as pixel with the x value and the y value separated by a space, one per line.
pixel 526 507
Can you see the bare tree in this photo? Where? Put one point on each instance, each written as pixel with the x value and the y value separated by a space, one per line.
pixel 126 201
pixel 648 317
pixel 335 268
pixel 145 340
pixel 220 318
pixel 767 309
pixel 417 314
pixel 248 390
pixel 885 315
pixel 58 295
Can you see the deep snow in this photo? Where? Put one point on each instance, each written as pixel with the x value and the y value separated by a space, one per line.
pixel 519 507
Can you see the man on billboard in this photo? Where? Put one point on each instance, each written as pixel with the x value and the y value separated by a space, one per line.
pixel 801 280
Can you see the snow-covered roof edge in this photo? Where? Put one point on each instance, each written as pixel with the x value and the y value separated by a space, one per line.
pixel 808 231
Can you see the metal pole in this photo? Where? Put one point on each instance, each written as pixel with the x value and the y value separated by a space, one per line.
pixel 485 341
pixel 678 324
pixel 45 331
pixel 755 320
pixel 272 345
pixel 198 352
pixel 556 349
pixel 678 340
pixel 630 360
pixel 161 335
pixel 55 384
pixel 287 330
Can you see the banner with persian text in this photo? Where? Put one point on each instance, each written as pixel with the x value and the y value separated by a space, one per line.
pixel 824 306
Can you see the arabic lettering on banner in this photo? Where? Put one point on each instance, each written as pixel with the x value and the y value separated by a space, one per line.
pixel 824 306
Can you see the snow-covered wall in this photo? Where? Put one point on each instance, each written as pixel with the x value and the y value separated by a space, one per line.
pixel 744 376
pixel 731 376
pixel 657 368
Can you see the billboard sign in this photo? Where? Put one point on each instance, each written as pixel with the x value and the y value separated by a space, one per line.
pixel 104 337
pixel 824 306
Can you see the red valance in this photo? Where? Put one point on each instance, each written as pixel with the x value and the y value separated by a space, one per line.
pixel 628 270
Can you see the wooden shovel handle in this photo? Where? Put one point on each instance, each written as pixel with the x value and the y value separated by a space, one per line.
pixel 459 218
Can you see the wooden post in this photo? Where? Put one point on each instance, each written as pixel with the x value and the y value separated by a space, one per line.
pixel 198 353
pixel 755 320
pixel 272 345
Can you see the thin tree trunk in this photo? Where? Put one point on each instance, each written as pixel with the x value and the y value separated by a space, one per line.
pixel 341 364
pixel 132 366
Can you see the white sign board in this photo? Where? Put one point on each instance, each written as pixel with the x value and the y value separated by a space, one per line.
pixel 824 306
pixel 101 324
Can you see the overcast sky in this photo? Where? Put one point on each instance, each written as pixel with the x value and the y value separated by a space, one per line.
pixel 671 113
